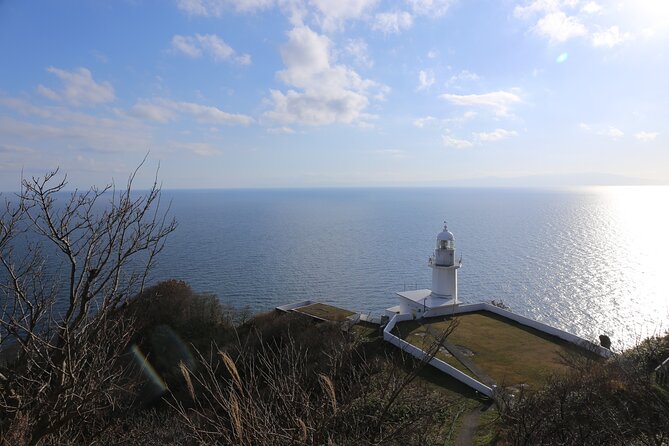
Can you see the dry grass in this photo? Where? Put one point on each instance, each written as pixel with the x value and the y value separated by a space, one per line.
pixel 366 330
pixel 292 381
pixel 326 312
pixel 509 352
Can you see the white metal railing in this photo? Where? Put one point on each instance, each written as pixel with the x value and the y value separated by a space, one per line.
pixel 434 361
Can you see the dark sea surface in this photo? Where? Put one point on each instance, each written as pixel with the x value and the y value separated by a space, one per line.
pixel 590 260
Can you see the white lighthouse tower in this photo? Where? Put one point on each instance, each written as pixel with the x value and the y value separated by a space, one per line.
pixel 444 267
pixel 443 296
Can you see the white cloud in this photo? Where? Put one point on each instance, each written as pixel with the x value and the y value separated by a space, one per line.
pixel 91 135
pixel 211 44
pixel 195 7
pixel 100 57
pixel 154 111
pixel 196 148
pixel 559 27
pixel 609 38
pixel 450 141
pixel 212 115
pixel 63 131
pixel 424 121
pixel 591 8
pixel 382 92
pixel 215 8
pixel 250 5
pixel 60 114
pixel 166 110
pixel 585 127
pixel 433 8
pixel 327 93
pixel 315 108
pixel 331 15
pixel 464 75
pixel 558 20
pixel 215 46
pixel 432 54
pixel 498 101
pixel 186 45
pixel 495 135
pixel 461 119
pixel 26 108
pixel 477 138
pixel 537 7
pixel 425 79
pixel 244 59
pixel 392 22
pixel 78 88
pixel 612 132
pixel 357 49
pixel 280 130
pixel 12 148
pixel 646 136
pixel 306 55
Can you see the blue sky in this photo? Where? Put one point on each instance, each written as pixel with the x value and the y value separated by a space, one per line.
pixel 312 93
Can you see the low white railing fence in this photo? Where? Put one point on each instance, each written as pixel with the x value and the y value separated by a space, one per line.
pixel 434 361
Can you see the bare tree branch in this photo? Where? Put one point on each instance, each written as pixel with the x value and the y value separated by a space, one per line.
pixel 67 266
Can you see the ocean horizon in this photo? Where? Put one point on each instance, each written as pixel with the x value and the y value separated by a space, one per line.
pixel 588 260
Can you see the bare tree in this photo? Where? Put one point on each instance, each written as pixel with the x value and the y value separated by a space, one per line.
pixel 68 263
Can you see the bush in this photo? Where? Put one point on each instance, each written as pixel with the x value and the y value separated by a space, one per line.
pixel 611 403
pixel 197 318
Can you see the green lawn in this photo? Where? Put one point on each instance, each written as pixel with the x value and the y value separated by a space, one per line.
pixel 421 338
pixel 508 352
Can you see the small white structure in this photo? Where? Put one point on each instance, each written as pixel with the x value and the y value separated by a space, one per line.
pixel 443 297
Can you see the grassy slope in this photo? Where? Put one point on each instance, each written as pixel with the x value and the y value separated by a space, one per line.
pixel 509 352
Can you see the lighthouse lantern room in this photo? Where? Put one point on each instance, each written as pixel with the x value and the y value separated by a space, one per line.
pixel 443 296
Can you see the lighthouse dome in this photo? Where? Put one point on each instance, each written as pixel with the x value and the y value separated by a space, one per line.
pixel 445 235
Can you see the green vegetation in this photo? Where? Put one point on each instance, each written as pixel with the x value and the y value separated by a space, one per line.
pixel 602 403
pixel 125 364
pixel 274 378
pixel 486 432
pixel 326 312
pixel 366 330
pixel 510 353
pixel 348 388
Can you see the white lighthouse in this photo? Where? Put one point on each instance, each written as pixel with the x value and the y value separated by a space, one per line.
pixel 443 296
pixel 444 268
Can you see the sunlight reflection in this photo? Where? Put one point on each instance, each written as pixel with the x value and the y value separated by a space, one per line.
pixel 640 231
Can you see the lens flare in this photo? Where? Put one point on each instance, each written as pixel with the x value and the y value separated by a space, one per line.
pixel 155 382
pixel 562 57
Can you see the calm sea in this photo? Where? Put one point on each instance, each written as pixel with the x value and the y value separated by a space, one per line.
pixel 589 260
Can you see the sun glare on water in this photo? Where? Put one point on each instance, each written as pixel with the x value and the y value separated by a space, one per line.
pixel 639 227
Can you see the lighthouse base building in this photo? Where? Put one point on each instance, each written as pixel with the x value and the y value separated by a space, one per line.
pixel 443 297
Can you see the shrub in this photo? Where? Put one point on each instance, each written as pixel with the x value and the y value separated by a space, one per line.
pixel 198 318
pixel 611 403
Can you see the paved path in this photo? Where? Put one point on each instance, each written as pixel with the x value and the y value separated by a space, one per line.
pixel 470 423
